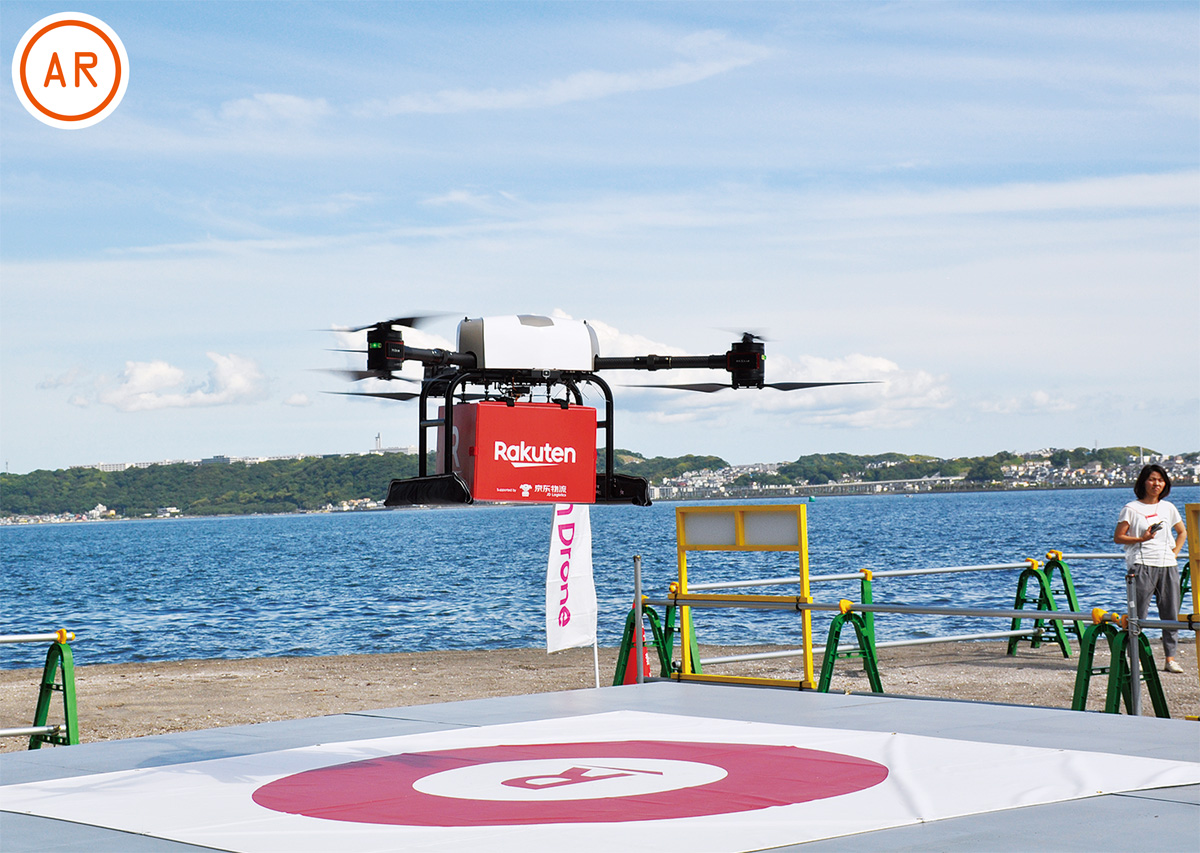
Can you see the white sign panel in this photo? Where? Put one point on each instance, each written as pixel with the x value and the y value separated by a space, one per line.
pixel 570 591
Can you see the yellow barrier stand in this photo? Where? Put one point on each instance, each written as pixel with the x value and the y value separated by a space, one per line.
pixel 752 527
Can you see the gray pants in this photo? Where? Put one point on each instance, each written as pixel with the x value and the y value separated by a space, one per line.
pixel 1162 582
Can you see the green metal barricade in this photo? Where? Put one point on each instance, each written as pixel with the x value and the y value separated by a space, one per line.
pixel 1043 600
pixel 1120 676
pixel 629 644
pixel 866 645
pixel 58 676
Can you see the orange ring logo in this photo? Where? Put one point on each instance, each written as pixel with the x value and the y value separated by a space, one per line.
pixel 70 70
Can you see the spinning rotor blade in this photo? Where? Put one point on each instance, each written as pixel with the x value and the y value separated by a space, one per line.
pixel 357 375
pixel 796 386
pixel 703 387
pixel 383 395
pixel 402 395
pixel 747 334
pixel 710 387
pixel 415 321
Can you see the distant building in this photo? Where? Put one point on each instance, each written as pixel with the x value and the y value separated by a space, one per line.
pixel 380 450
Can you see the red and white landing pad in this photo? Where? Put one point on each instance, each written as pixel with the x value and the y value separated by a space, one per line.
pixel 625 780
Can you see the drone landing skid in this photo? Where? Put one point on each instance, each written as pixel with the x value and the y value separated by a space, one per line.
pixel 438 489
pixel 622 489
pixel 431 490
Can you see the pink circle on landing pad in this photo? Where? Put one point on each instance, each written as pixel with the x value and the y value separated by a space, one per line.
pixel 602 782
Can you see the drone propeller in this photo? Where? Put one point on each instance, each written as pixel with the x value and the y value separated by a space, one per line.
pixel 710 387
pixel 383 395
pixel 357 375
pixel 402 395
pixel 796 386
pixel 703 387
pixel 414 321
pixel 747 334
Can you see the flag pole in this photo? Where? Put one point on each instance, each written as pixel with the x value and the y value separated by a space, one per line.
pixel 640 654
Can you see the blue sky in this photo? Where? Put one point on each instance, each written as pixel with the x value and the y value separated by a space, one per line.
pixel 994 208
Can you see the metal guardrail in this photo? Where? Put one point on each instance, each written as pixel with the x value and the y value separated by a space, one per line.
pixel 60 636
pixel 923 641
pixel 891 573
pixel 787 602
pixel 29 731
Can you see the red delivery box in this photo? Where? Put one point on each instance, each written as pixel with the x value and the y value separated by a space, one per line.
pixel 534 452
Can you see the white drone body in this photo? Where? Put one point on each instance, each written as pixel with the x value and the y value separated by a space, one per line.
pixel 529 342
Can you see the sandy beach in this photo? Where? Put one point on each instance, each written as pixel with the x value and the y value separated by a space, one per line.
pixel 134 700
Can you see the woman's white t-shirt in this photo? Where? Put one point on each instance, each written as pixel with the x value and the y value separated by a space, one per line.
pixel 1159 551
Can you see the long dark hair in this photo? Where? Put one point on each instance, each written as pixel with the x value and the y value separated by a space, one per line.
pixel 1139 488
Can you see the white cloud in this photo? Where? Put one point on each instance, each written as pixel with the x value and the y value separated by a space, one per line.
pixel 337 204
pixel 74 376
pixel 298 400
pixel 895 398
pixel 270 107
pixel 1172 190
pixel 470 200
pixel 708 54
pixel 1033 403
pixel 934 224
pixel 614 342
pixel 149 385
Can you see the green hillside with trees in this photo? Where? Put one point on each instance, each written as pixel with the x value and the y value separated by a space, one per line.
pixel 657 468
pixel 285 485
pixel 288 485
pixel 312 483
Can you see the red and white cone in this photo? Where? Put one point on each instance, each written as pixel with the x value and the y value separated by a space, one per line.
pixel 631 662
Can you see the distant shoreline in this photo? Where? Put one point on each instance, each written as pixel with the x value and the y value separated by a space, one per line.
pixel 31 520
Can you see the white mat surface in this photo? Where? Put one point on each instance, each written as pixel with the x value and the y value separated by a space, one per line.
pixel 624 780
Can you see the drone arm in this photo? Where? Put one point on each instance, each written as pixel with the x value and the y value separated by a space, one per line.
pixel 743 361
pixel 661 362
pixel 440 356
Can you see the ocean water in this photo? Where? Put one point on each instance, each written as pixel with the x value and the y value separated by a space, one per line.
pixel 473 577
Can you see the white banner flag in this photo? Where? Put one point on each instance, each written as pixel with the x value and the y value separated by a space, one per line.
pixel 570 590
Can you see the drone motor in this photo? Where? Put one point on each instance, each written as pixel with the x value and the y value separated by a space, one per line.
pixel 385 349
pixel 745 362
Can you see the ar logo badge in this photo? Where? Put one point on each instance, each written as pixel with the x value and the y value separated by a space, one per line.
pixel 70 70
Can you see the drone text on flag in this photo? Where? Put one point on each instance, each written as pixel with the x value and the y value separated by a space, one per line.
pixel 570 591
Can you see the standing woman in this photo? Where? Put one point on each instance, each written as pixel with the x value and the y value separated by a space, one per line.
pixel 1153 534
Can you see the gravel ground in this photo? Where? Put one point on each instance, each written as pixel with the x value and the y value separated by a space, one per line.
pixel 133 700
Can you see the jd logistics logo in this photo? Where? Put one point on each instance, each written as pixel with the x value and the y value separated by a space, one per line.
pixel 70 70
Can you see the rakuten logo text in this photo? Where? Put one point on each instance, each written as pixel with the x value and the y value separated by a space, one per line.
pixel 529 456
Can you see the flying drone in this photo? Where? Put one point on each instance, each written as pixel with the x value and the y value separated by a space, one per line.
pixel 493 441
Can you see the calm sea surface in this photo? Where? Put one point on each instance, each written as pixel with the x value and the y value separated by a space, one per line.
pixel 473 577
